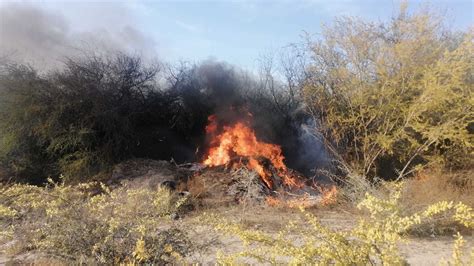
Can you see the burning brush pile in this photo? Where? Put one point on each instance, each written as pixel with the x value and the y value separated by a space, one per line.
pixel 251 169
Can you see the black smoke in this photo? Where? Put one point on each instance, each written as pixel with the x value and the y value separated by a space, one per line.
pixel 170 121
pixel 233 95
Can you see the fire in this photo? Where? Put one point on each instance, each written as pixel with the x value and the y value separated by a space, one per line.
pixel 239 141
pixel 236 145
pixel 329 195
pixel 302 201
pixel 272 201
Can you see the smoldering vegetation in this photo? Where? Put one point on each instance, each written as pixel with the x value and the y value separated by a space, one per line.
pixel 98 110
pixel 384 109
pixel 74 103
pixel 381 111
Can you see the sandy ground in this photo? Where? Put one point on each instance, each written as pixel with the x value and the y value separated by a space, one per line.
pixel 417 251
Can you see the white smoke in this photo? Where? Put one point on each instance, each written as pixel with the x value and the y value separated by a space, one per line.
pixel 44 38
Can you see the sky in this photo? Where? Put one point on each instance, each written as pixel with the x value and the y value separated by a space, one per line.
pixel 238 31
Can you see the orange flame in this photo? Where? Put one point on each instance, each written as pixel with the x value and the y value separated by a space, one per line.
pixel 240 140
pixel 329 195
pixel 298 202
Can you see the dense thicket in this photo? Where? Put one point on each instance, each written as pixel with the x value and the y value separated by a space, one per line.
pixel 73 121
pixel 99 110
pixel 384 97
pixel 392 96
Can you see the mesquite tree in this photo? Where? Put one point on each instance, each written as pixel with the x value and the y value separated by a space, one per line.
pixel 394 95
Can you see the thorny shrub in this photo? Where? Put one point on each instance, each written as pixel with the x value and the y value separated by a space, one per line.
pixel 392 96
pixel 374 240
pixel 88 223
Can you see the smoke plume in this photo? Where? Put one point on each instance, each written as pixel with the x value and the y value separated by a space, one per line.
pixel 39 37
pixel 42 38
pixel 232 96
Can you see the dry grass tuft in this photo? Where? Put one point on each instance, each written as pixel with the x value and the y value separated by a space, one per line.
pixel 433 185
pixel 374 240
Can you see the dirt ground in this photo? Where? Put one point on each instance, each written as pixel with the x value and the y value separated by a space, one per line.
pixel 211 191
pixel 417 250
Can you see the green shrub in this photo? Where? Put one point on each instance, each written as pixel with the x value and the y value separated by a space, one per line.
pixel 90 223
pixel 389 96
pixel 75 121
pixel 374 240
